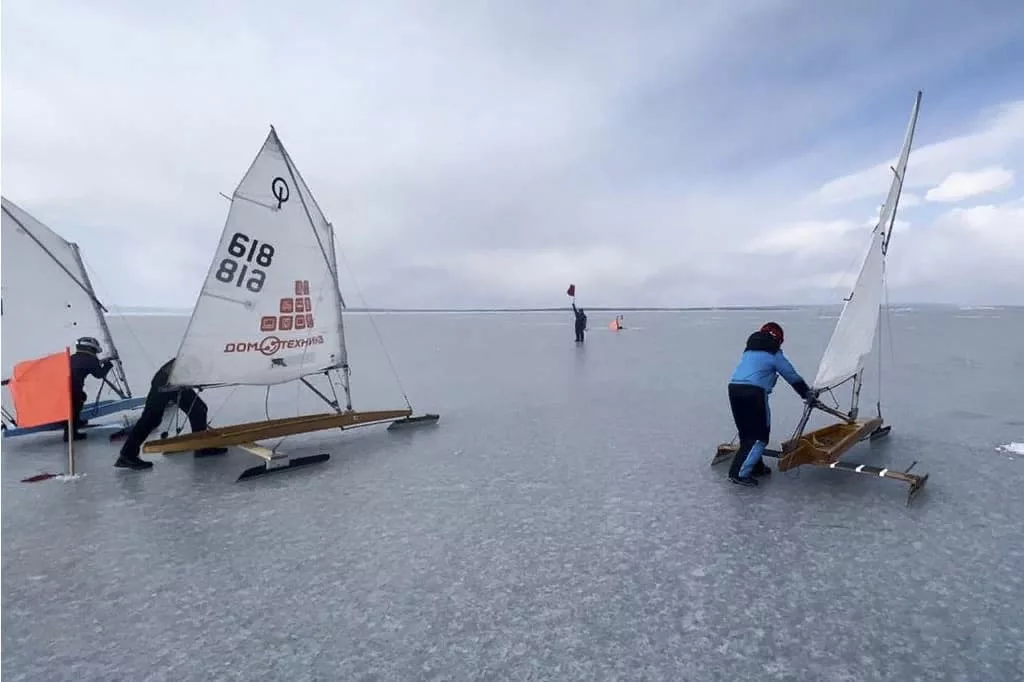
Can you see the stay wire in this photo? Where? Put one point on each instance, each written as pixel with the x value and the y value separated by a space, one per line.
pixel 373 324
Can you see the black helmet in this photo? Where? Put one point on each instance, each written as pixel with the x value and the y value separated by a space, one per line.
pixel 89 345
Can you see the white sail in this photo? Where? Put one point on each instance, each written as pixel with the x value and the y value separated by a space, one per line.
pixel 854 335
pixel 48 301
pixel 270 309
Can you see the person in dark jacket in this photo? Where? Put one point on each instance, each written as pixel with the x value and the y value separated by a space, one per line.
pixel 85 362
pixel 159 398
pixel 581 322
pixel 751 383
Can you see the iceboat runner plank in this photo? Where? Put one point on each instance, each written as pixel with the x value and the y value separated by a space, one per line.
pixel 240 434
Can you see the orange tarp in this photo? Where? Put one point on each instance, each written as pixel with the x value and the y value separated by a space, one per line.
pixel 41 390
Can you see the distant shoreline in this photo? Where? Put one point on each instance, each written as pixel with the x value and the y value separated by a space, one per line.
pixel 140 310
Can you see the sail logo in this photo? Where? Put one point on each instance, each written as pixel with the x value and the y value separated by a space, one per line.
pixel 271 345
pixel 295 313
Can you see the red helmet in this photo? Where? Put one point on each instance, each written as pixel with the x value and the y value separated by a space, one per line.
pixel 775 329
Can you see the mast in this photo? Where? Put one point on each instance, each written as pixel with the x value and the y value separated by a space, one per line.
pixel 331 258
pixel 854 336
pixel 346 371
pixel 332 265
pixel 121 385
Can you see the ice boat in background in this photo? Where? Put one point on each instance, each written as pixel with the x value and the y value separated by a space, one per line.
pixel 47 303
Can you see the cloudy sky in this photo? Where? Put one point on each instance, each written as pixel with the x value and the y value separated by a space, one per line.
pixel 489 153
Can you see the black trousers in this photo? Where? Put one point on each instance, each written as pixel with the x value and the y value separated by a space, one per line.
pixel 580 328
pixel 753 421
pixel 153 413
pixel 77 403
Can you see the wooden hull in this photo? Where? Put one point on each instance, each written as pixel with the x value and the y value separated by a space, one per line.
pixel 825 445
pixel 250 432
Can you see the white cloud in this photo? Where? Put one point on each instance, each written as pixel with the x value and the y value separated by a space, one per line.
pixel 483 155
pixel 998 137
pixel 804 238
pixel 967 255
pixel 959 186
pixel 909 200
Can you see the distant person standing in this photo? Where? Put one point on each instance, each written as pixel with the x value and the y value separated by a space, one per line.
pixel 751 383
pixel 581 322
pixel 159 399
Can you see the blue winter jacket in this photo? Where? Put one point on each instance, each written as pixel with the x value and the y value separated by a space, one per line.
pixel 761 364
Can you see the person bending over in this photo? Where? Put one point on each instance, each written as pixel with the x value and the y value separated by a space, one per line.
pixel 750 386
pixel 85 362
pixel 158 400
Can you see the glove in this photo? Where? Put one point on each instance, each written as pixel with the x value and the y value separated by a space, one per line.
pixel 811 395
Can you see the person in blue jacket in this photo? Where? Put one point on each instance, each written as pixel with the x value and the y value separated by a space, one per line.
pixel 749 387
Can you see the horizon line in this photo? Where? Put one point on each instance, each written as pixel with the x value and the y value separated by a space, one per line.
pixel 116 309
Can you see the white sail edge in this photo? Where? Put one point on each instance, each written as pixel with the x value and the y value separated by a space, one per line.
pixel 108 338
pixel 329 252
pixel 853 337
pixel 270 212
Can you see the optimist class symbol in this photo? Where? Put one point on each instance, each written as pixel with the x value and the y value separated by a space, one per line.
pixel 279 188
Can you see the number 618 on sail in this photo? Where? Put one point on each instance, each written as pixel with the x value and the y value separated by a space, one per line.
pixel 255 253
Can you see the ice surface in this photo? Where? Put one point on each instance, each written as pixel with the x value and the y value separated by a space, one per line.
pixel 560 522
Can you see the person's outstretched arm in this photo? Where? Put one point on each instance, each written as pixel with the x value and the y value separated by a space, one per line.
pixel 92 365
pixel 789 373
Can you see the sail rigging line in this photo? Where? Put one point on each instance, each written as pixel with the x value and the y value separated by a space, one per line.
pixel 892 349
pixel 885 286
pixel 178 422
pixel 108 338
pixel 373 324
pixel 331 260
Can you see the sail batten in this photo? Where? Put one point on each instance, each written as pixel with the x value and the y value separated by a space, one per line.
pixel 269 311
pixel 853 338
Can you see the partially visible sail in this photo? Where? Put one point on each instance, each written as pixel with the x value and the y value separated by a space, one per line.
pixel 270 309
pixel 48 301
pixel 854 335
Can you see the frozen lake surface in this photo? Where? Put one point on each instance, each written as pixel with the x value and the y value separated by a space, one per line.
pixel 560 522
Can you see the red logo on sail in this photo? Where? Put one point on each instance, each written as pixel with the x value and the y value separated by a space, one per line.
pixel 294 314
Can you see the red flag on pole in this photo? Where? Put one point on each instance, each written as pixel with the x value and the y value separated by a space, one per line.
pixel 571 291
pixel 41 390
